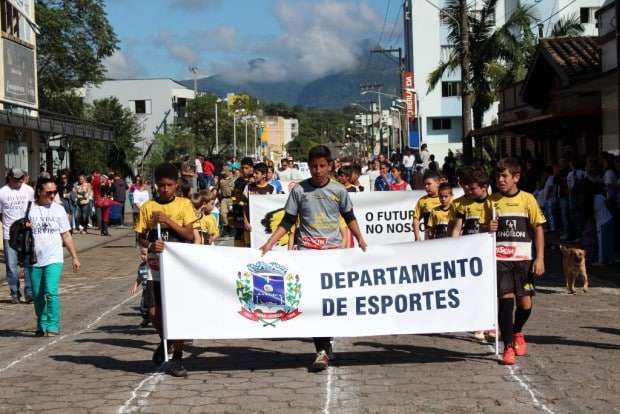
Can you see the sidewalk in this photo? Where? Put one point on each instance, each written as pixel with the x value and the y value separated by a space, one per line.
pixel 83 242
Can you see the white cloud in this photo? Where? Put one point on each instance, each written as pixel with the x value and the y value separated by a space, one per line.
pixel 194 5
pixel 121 66
pixel 317 38
pixel 189 48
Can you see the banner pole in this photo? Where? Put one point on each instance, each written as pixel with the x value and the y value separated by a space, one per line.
pixel 495 300
pixel 163 333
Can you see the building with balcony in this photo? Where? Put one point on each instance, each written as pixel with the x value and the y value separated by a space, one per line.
pixel 439 111
pixel 158 103
pixel 31 139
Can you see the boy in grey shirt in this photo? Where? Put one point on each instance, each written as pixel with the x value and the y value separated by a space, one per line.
pixel 316 205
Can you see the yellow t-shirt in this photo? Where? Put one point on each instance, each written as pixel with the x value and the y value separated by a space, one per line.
pixel 438 222
pixel 425 205
pixel 473 213
pixel 207 226
pixel 455 205
pixel 517 215
pixel 180 210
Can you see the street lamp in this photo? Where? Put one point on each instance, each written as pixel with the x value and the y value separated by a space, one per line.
pixel 61 150
pixel 237 111
pixel 217 136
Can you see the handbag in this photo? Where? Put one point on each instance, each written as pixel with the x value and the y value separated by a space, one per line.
pixel 21 239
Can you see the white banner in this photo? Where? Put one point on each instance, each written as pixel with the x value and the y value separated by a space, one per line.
pixel 384 217
pixel 445 285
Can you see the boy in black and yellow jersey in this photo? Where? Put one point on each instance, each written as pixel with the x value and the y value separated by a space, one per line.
pixel 464 180
pixel 440 216
pixel 518 222
pixel 239 203
pixel 176 217
pixel 426 203
pixel 473 212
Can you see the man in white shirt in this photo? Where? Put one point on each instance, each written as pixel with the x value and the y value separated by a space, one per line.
pixel 425 157
pixel 200 172
pixel 14 198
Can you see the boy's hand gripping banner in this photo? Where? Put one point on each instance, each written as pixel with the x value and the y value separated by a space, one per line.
pixel 445 285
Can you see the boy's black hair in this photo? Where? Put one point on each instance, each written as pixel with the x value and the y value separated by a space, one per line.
pixel 346 170
pixel 444 187
pixel 385 164
pixel 357 168
pixel 261 167
pixel 247 161
pixel 166 170
pixel 397 167
pixel 433 175
pixel 511 164
pixel 185 187
pixel 319 151
pixel 480 177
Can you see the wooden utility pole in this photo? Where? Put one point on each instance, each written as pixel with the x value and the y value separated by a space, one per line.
pixel 465 84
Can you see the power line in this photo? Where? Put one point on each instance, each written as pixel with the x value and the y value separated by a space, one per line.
pixel 396 23
pixel 385 19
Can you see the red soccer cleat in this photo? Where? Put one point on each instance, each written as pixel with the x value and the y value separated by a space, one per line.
pixel 519 344
pixel 509 356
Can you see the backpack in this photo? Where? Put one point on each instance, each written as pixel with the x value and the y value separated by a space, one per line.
pixel 21 239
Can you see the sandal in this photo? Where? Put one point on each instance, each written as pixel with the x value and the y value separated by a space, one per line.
pixel 51 334
pixel 39 334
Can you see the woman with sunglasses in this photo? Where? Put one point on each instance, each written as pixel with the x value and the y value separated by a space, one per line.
pixel 50 229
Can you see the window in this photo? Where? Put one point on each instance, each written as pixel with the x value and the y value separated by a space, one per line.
pixel 141 106
pixel 584 15
pixel 450 89
pixel 441 123
pixel 10 18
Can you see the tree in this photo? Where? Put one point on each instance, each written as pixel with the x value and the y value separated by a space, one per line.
pixel 568 26
pixel 487 46
pixel 118 155
pixel 75 38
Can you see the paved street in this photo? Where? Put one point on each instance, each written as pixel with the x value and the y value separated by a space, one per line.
pixel 101 363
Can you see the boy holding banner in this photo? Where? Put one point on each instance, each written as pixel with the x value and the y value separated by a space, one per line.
pixel 167 218
pixel 516 217
pixel 315 206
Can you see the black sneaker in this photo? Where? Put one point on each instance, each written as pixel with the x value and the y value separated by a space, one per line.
pixel 28 300
pixel 176 368
pixel 144 323
pixel 321 362
pixel 158 355
pixel 14 300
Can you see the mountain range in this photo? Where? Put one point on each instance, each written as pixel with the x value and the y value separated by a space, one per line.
pixel 334 91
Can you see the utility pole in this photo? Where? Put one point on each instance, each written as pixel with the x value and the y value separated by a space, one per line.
pixel 194 70
pixel 465 84
pixel 376 88
pixel 618 68
pixel 217 135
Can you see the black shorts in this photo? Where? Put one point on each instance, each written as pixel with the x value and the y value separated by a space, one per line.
pixel 152 294
pixel 515 277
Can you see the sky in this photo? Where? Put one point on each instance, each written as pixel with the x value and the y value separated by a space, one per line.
pixel 248 40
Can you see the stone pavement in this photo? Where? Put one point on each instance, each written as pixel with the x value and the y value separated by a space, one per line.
pixel 101 363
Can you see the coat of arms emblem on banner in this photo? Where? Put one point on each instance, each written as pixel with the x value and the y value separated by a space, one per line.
pixel 268 293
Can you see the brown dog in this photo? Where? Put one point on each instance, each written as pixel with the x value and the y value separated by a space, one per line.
pixel 574 266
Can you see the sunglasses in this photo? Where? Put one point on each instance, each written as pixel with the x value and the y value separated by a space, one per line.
pixel 51 193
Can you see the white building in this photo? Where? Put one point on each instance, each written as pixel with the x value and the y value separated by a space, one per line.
pixel 157 102
pixel 439 111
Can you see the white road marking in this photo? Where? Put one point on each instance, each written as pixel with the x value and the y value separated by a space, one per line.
pixel 63 337
pixel 328 385
pixel 149 383
pixel 526 387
